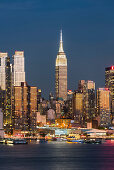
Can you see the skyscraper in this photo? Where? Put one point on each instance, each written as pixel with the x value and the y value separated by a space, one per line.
pixel 8 112
pixel 81 85
pixel 18 74
pixel 3 58
pixel 25 107
pixel 89 101
pixel 78 107
pixel 109 83
pixel 103 106
pixel 61 72
pixel 5 86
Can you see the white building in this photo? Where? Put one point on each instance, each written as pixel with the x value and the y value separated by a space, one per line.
pixel 18 74
pixel 3 57
pixel 61 72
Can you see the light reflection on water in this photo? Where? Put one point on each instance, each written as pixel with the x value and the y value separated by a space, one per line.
pixel 57 156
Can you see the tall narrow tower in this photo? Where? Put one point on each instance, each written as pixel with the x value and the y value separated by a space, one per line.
pixel 109 83
pixel 61 72
pixel 3 59
pixel 18 75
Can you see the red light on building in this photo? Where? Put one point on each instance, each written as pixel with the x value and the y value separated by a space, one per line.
pixel 112 68
pixel 69 92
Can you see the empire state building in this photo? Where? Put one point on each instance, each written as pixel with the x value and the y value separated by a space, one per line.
pixel 61 73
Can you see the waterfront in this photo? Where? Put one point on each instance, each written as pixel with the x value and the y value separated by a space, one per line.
pixel 57 156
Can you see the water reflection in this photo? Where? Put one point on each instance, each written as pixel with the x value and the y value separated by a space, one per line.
pixel 57 156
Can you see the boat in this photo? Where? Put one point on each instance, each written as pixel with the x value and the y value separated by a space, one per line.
pixel 20 141
pixel 73 139
pixel 15 141
pixel 93 141
pixel 2 141
pixel 8 141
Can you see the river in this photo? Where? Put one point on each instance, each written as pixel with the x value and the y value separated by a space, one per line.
pixel 57 156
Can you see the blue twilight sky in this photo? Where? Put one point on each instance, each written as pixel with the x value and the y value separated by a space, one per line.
pixel 34 26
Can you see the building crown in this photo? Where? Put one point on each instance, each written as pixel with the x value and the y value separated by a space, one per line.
pixel 61 43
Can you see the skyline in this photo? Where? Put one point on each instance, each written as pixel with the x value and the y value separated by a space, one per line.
pixel 37 34
pixel 57 84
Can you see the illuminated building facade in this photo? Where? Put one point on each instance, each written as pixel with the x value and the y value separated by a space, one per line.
pixel 1 119
pixel 1 124
pixel 63 123
pixel 58 107
pixel 8 111
pixel 81 84
pixel 39 95
pixel 52 101
pixel 103 106
pixel 78 107
pixel 61 73
pixel 41 119
pixel 3 58
pixel 68 108
pixel 89 101
pixel 109 83
pixel 39 102
pixel 25 107
pixel 5 91
pixel 18 74
pixel 32 98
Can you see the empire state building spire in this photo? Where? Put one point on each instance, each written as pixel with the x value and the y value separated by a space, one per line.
pixel 61 43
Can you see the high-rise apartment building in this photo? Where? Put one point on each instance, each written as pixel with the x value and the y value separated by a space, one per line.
pixel 61 73
pixel 3 58
pixel 109 83
pixel 18 74
pixel 25 107
pixel 8 111
pixel 103 106
pixel 68 105
pixel 78 107
pixel 81 85
pixel 89 101
pixel 5 89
